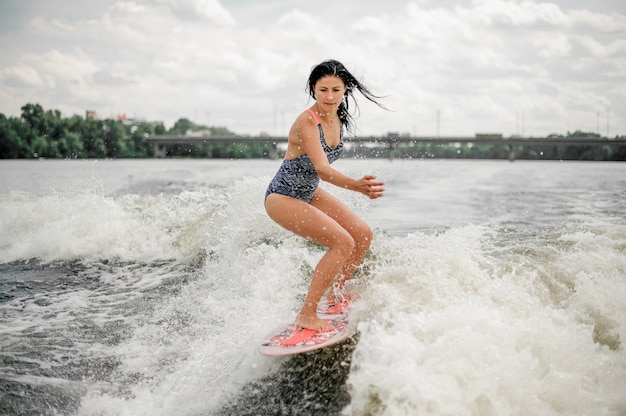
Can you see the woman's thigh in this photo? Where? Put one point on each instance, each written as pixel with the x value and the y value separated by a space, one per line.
pixel 341 213
pixel 306 220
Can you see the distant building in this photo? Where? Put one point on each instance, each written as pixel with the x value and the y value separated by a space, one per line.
pixel 199 133
pixel 126 120
pixel 488 135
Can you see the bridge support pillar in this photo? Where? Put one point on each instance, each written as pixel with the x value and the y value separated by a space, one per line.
pixel 511 152
pixel 160 150
pixel 274 152
pixel 392 144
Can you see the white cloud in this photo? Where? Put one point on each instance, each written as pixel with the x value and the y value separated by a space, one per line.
pixel 73 67
pixel 597 49
pixel 21 76
pixel 209 10
pixel 128 7
pixel 524 13
pixel 479 63
pixel 556 45
pixel 602 22
pixel 296 19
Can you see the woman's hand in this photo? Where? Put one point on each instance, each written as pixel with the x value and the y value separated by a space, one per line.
pixel 369 186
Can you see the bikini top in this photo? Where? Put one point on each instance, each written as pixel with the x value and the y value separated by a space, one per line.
pixel 332 153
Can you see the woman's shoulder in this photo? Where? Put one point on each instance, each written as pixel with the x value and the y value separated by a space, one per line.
pixel 305 122
pixel 307 117
pixel 304 131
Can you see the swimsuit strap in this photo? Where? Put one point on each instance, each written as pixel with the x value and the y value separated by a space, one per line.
pixel 317 120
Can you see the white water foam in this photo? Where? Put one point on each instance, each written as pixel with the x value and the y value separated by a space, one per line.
pixel 470 321
pixel 454 326
pixel 466 322
pixel 89 226
pixel 200 347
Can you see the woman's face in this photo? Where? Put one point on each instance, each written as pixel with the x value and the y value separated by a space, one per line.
pixel 329 91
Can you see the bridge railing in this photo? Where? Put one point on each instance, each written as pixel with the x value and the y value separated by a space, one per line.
pixel 174 139
pixel 162 143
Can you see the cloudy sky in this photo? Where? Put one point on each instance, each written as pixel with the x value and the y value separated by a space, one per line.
pixel 444 66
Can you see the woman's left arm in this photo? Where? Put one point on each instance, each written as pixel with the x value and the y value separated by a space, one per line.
pixel 367 185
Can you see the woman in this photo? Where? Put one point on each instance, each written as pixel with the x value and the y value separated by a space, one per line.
pixel 294 200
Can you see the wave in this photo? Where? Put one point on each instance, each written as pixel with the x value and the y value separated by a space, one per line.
pixel 464 324
pixel 471 320
pixel 89 226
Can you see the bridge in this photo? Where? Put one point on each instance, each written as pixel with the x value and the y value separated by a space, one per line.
pixel 391 141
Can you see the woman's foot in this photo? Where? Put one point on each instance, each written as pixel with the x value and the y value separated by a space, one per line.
pixel 337 296
pixel 326 308
pixel 312 322
pixel 335 299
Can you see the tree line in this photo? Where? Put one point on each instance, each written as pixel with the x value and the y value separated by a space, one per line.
pixel 40 133
pixel 532 151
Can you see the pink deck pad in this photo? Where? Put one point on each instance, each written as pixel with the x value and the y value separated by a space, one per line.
pixel 325 308
pixel 293 340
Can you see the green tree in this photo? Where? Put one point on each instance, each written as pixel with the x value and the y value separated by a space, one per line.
pixel 182 126
pixel 579 133
pixel 220 131
pixel 136 145
pixel 53 134
pixel 113 135
pixel 42 131
pixel 10 142
pixel 92 135
pixel 72 146
pixel 28 130
pixel 159 129
pixel 33 115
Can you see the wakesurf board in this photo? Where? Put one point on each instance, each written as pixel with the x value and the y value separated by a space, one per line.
pixel 290 339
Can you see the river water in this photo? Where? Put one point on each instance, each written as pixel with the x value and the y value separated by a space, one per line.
pixel 143 287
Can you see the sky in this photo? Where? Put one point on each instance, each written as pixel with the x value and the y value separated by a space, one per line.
pixel 443 67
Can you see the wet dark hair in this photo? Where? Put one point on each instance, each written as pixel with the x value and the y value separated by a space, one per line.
pixel 332 67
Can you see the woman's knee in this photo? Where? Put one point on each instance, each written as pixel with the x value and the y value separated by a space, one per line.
pixel 363 235
pixel 345 242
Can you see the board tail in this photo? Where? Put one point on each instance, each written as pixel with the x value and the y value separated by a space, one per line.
pixel 325 308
